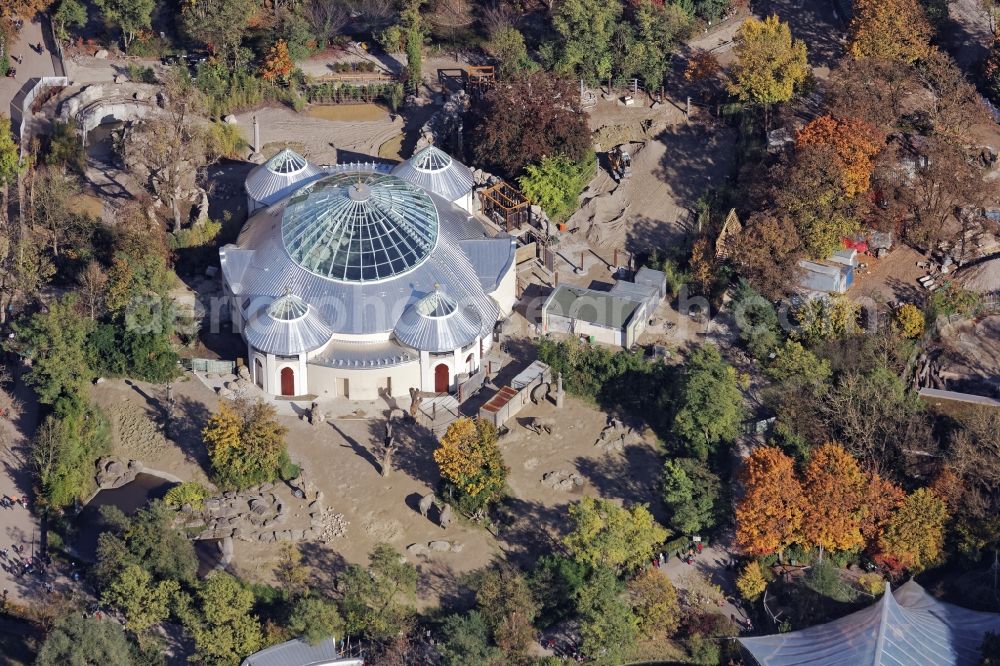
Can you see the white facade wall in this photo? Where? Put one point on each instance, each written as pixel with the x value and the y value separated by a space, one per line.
pixel 363 384
pixel 506 292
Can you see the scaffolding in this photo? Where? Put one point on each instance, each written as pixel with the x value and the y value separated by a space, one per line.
pixel 479 78
pixel 505 206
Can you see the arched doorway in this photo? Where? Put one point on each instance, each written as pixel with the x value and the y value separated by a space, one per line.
pixel 442 378
pixel 287 381
pixel 470 364
pixel 258 373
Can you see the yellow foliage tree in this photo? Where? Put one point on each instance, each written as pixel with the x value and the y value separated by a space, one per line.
pixel 855 143
pixel 770 64
pixel 889 30
pixel 654 603
pixel 909 321
pixel 606 534
pixel 769 517
pixel 834 487
pixel 469 457
pixel 751 582
pixel 245 443
pixel 914 536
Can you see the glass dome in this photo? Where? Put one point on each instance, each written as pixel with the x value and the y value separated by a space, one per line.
pixel 288 308
pixel 359 227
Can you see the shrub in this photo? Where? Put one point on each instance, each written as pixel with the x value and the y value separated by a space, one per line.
pixel 751 582
pixel 189 492
pixel 227 141
pixel 196 236
pixel 951 300
pixel 556 183
pixel 909 321
pixel 138 74
pixel 873 583
pixel 65 448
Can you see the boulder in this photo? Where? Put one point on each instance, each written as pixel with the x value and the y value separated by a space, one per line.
pixel 258 506
pixel 101 54
pixel 417 549
pixel 457 547
pixel 230 119
pixel 121 78
pixel 440 546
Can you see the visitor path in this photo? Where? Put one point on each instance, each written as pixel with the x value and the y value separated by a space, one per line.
pixel 33 65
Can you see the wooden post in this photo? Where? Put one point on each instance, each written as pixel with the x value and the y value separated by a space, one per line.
pixel 616 257
pixel 582 253
pixel 635 87
pixel 687 113
pixel 555 277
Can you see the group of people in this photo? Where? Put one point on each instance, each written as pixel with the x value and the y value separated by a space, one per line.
pixel 13 502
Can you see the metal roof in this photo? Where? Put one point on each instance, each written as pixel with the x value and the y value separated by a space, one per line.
pixel 437 323
pixel 492 258
pixel 436 171
pixel 285 326
pixel 600 308
pixel 299 653
pixel 907 627
pixel 279 176
pixel 259 265
pixel 343 354
pixel 359 227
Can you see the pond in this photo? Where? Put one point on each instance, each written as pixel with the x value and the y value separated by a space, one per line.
pixel 353 113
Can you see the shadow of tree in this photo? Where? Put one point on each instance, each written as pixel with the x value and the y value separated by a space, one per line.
pixel 325 565
pixel 190 417
pixel 414 446
pixel 812 21
pixel 360 449
pixel 631 476
pixel 528 529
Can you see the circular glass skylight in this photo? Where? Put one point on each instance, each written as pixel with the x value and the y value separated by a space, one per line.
pixel 288 308
pixel 286 162
pixel 436 304
pixel 431 159
pixel 359 227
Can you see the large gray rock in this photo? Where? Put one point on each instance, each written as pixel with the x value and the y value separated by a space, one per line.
pixel 417 549
pixel 440 546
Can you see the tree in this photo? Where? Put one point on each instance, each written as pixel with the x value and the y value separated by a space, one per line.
pixel 131 16
pixel 607 626
pixel 767 251
pixel 93 282
pixel 467 641
pixel 889 30
pixel 794 363
pixel 527 118
pixel 855 144
pixel 54 341
pixel 314 619
pixel 469 458
pixel 327 18
pixel 823 319
pixel 220 25
pixel 69 13
pixel 277 64
pixel 881 500
pixel 374 598
pixel 691 493
pixel 751 582
pixel 607 535
pixel 168 150
pixel 64 449
pixel 908 321
pixel 769 65
pixel 221 622
pixel 52 209
pixel 413 31
pixel 291 573
pixel 245 443
pixel 80 640
pixel 143 602
pixel 711 410
pixel 914 536
pixel 556 183
pixel 654 604
pixel 506 46
pixel 991 71
pixel 148 539
pixel 10 164
pixel 834 488
pixel 506 605
pixel 585 28
pixel 769 517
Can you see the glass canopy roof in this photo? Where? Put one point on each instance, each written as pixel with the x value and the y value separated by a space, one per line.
pixel 359 227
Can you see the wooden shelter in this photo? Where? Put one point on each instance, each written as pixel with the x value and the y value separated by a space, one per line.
pixel 505 206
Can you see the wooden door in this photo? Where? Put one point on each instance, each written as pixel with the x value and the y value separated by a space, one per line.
pixel 442 378
pixel 287 381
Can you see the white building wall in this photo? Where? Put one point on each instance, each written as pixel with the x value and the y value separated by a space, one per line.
pixel 364 384
pixel 506 292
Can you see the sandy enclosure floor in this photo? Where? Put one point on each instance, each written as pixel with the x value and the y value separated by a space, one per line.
pixel 342 457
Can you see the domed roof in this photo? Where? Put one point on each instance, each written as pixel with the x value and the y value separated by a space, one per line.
pixel 437 323
pixel 436 171
pixel 359 227
pixel 286 326
pixel 279 176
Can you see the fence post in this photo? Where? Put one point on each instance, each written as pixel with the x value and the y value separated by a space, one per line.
pixel 687 112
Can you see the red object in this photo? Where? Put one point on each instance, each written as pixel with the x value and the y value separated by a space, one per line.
pixel 859 244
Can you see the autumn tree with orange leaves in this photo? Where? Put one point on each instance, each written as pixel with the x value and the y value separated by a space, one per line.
pixel 834 487
pixel 855 143
pixel 278 63
pixel 882 499
pixel 889 30
pixel 769 517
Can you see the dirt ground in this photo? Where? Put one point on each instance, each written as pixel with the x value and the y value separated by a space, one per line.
pixel 342 457
pixel 890 279
pixel 970 356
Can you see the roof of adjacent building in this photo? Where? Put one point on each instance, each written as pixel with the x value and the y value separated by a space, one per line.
pixel 600 308
pixel 637 291
pixel 821 277
pixel 299 653
pixel 286 325
pixel 650 276
pixel 907 627
pixel 436 171
pixel 298 244
pixel 279 176
pixel 437 323
pixel 982 277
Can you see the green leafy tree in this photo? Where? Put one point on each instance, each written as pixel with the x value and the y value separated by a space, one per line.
pixel 827 319
pixel 314 619
pixel 131 16
pixel 245 443
pixel 467 641
pixel 10 156
pixel 769 65
pixel 80 640
pixel 374 601
pixel 585 28
pixel 68 13
pixel 220 24
pixel 608 628
pixel 55 343
pixel 607 535
pixel 556 582
pixel 711 410
pixel 691 493
pixel 506 604
pixel 64 449
pixel 658 27
pixel 506 46
pixel 221 622
pixel 556 183
pixel 413 30
pixel 794 363
pixel 143 602
pixel 148 539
